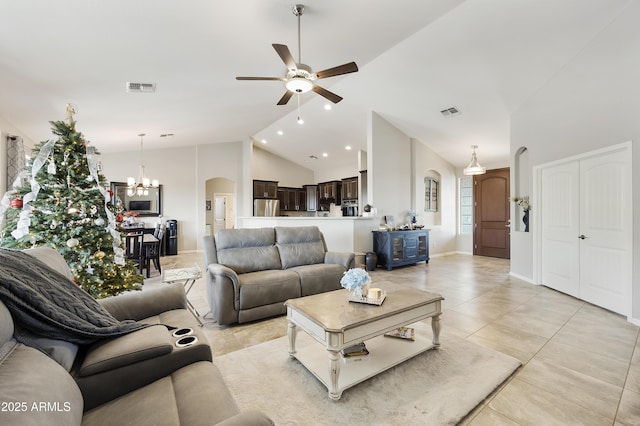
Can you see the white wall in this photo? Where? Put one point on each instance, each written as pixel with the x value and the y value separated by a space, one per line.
pixel 337 173
pixel 442 238
pixel 183 173
pixel 590 104
pixel 389 169
pixel 267 166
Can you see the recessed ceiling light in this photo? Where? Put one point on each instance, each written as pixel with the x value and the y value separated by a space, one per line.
pixel 348 147
pixel 324 154
pixel 263 141
pixel 327 107
pixel 280 132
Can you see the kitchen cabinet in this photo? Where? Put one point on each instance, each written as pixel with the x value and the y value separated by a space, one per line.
pixel 311 197
pixel 265 189
pixel 292 199
pixel 350 188
pixel 399 248
pixel 330 192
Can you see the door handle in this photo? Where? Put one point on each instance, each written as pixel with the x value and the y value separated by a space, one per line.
pixel 582 237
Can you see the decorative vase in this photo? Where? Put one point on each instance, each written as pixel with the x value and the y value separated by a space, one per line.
pixel 525 219
pixel 360 292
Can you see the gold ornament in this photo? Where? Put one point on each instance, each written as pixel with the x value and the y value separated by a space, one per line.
pixel 99 254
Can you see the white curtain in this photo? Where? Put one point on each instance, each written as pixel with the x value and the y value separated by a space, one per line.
pixel 15 159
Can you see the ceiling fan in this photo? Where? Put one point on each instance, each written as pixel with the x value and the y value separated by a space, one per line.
pixel 300 77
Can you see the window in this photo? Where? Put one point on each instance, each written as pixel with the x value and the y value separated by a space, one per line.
pixel 430 194
pixel 466 205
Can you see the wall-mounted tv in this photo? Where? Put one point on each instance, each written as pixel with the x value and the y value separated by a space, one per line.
pixel 142 205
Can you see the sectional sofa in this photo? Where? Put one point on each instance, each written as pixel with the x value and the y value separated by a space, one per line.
pixel 154 375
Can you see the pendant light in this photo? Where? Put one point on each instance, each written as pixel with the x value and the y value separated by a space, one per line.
pixel 474 168
pixel 142 185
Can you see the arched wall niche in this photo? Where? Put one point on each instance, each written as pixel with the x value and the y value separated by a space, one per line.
pixel 431 201
pixel 522 184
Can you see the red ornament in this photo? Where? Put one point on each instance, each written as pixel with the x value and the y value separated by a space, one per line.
pixel 110 192
pixel 16 203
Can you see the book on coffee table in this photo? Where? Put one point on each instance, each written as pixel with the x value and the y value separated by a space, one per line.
pixel 354 351
pixel 406 333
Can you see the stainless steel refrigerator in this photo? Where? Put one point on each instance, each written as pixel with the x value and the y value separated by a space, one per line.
pixel 266 207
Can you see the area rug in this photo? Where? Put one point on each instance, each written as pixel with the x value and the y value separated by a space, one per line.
pixel 438 387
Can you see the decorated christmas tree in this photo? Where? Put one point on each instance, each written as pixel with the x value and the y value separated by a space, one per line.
pixel 61 201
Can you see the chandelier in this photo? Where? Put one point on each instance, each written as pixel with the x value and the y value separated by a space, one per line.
pixel 142 185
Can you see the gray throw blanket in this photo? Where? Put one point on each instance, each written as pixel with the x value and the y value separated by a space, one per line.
pixel 44 302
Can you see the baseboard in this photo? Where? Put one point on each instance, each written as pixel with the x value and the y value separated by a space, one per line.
pixel 634 321
pixel 449 253
pixel 522 277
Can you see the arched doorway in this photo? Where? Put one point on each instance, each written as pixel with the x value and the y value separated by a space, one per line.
pixel 220 205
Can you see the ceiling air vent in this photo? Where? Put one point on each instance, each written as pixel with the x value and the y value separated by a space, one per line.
pixel 450 112
pixel 141 87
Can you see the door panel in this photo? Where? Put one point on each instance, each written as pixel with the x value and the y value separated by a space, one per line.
pixel 605 221
pixel 559 210
pixel 491 214
pixel 586 229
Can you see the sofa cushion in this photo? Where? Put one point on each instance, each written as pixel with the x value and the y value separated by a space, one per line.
pixel 247 250
pixel 319 278
pixel 6 325
pixel 188 396
pixel 64 353
pixel 37 390
pixel 299 245
pixel 266 287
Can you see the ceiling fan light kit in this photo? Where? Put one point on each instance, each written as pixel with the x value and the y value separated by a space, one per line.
pixel 300 78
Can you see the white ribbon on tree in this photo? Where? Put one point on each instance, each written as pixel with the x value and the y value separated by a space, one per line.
pixel 24 220
pixel 111 225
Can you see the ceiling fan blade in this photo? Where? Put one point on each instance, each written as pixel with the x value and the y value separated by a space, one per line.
pixel 327 94
pixel 339 70
pixel 260 78
pixel 285 55
pixel 285 98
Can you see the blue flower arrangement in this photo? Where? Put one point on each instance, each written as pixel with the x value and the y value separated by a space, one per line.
pixel 354 278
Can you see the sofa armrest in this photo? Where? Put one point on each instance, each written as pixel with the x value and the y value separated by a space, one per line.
pixel 346 259
pixel 248 418
pixel 225 290
pixel 129 349
pixel 137 305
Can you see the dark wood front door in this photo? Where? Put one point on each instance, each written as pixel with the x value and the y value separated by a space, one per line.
pixel 491 214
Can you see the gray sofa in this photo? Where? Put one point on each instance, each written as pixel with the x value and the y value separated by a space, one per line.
pixel 252 272
pixel 139 378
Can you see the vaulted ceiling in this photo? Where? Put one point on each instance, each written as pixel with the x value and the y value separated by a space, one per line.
pixel 416 58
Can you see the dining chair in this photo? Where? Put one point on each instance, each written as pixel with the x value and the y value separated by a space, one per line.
pixel 133 248
pixel 151 253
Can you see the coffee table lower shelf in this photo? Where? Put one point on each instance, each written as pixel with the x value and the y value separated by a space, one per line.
pixel 384 353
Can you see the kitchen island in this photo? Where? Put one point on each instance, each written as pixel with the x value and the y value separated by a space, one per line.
pixel 347 233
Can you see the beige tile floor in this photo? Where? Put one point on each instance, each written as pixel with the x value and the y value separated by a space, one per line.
pixel 581 363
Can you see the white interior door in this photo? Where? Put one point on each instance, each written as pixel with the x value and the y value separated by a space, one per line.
pixel 559 209
pixel 586 229
pixel 219 213
pixel 605 231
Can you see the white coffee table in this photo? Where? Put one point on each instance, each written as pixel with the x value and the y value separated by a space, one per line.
pixel 336 323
